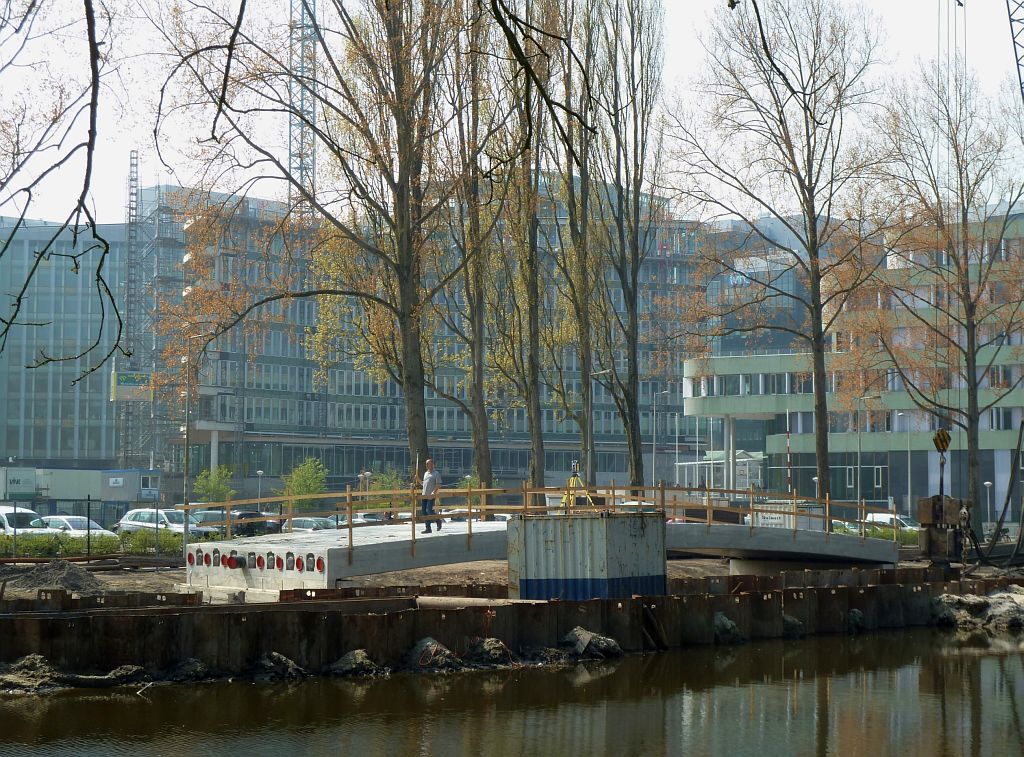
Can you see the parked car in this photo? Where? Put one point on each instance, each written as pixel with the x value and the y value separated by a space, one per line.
pixel 333 522
pixel 75 525
pixel 842 527
pixel 209 518
pixel 903 522
pixel 305 524
pixel 173 520
pixel 22 519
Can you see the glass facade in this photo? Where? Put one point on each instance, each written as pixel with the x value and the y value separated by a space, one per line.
pixel 56 416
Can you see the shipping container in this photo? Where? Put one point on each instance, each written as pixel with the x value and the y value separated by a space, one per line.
pixel 598 555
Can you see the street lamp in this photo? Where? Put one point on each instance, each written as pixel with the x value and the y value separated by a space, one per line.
pixel 259 484
pixel 860 411
pixel 910 510
pixel 186 361
pixel 185 461
pixel 590 467
pixel 677 448
pixel 988 497
pixel 654 432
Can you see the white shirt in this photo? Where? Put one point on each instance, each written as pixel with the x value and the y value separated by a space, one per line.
pixel 431 480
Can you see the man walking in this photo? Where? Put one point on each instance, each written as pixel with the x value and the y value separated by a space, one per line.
pixel 431 482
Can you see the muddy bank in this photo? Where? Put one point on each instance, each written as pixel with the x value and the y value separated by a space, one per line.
pixel 993 620
pixel 33 674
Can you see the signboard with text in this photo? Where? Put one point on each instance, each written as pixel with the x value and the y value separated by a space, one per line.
pixel 130 386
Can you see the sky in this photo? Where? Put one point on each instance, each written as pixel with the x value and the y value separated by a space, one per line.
pixel 912 30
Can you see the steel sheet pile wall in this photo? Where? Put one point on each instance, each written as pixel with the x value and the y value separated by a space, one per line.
pixel 586 556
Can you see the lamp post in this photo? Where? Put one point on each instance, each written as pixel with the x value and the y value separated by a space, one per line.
pixel 677 448
pixel 711 448
pixel 654 432
pixel 259 484
pixel 186 361
pixel 590 466
pixel 860 411
pixel 910 510
pixel 815 480
pixel 988 499
pixel 184 463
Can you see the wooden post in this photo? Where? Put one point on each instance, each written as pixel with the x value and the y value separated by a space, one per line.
pixel 525 500
pixel 751 508
pixel 707 504
pixel 227 514
pixel 469 519
pixel 661 494
pixel 614 507
pixel 794 513
pixel 828 514
pixel 351 513
pixel 861 516
pixel 412 503
pixel 291 512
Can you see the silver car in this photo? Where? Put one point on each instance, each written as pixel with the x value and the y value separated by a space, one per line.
pixel 75 525
pixel 172 520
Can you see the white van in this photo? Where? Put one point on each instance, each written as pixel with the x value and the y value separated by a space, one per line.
pixel 904 522
pixel 12 517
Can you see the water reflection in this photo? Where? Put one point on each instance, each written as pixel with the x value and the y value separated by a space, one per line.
pixel 905 692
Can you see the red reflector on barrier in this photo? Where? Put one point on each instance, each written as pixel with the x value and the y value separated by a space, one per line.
pixel 206 560
pixel 224 561
pixel 298 564
pixel 320 565
pixel 260 562
pixel 280 563
pixel 191 559
pixel 232 562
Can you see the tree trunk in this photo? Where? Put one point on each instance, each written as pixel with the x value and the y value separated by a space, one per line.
pixel 478 414
pixel 820 381
pixel 631 395
pixel 412 373
pixel 587 395
pixel 973 419
pixel 533 408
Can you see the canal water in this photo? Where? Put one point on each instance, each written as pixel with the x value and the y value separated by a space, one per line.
pixel 894 693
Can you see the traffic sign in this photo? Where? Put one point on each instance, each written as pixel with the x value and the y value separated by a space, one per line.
pixel 941 440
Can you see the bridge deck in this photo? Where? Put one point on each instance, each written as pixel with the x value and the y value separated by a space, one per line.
pixel 385 548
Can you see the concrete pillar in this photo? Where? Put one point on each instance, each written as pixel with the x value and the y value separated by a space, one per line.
pixel 214 449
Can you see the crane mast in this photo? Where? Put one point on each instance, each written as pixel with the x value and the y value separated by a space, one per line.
pixel 302 104
pixel 1015 11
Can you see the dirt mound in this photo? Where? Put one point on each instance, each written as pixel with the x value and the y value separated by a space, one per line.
pixel 488 653
pixel 58 574
pixel 356 663
pixel 33 673
pixel 431 655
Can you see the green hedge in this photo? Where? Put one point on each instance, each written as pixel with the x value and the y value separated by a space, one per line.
pixel 57 545
pixel 142 542
pixel 907 538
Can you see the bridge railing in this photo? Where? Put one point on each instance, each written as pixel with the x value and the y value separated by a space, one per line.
pixel 352 509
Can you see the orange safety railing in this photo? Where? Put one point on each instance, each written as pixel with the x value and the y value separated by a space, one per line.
pixel 686 505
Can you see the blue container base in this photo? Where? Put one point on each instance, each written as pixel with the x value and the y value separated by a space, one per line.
pixel 591 588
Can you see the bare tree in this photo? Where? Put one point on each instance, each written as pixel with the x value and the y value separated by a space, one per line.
pixel 480 110
pixel 380 113
pixel 945 314
pixel 629 99
pixel 48 135
pixel 570 246
pixel 776 138
pixel 517 300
